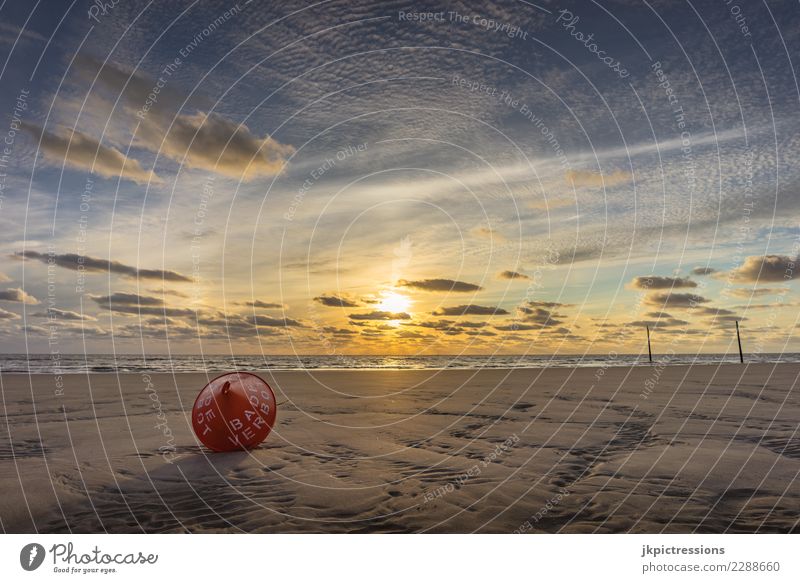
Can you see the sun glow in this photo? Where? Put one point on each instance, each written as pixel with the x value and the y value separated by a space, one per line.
pixel 394 302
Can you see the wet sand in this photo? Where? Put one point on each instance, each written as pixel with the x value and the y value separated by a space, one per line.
pixel 645 449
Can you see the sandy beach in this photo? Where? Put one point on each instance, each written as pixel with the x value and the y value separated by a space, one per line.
pixel 644 449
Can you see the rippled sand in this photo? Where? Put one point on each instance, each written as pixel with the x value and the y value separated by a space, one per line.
pixel 680 449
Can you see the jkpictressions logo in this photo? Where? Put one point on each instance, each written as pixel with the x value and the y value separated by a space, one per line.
pixel 31 556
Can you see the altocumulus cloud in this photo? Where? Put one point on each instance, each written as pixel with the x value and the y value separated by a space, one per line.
pixel 336 301
pixel 766 268
pixel 16 294
pixel 81 151
pixel 128 303
pixel 472 309
pixel 508 274
pixel 703 271
pixel 201 140
pixel 6 315
pixel 265 305
pixel 593 179
pixel 675 300
pixel 94 264
pixel 380 315
pixel 446 285
pixel 260 320
pixel 211 142
pixel 57 314
pixel 661 282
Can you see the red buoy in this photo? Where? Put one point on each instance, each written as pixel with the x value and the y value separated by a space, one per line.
pixel 234 411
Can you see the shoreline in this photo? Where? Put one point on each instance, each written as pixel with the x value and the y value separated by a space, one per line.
pixel 656 362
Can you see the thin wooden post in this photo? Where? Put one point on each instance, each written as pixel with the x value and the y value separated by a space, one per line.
pixel 739 340
pixel 649 351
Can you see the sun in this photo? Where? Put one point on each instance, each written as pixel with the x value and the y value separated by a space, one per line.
pixel 394 302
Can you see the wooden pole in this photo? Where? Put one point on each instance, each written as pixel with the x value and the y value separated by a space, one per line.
pixel 739 340
pixel 649 351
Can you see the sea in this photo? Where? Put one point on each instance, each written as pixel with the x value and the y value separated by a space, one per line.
pixel 137 363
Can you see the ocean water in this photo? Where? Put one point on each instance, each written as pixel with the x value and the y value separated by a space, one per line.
pixel 136 363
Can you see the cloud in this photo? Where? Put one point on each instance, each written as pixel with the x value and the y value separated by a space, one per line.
pixel 449 326
pixel 129 299
pixel 539 314
pixel 266 305
pixel 134 88
pixel 675 300
pixel 201 140
pixel 220 325
pixel 667 322
pixel 411 335
pixel 10 34
pixel 211 142
pixel 338 331
pixel 471 309
pixel 77 262
pixel 703 271
pixel 469 324
pixel 445 285
pixel 379 315
pixel 592 179
pixel 511 275
pixel 551 203
pixel 129 303
pixel 16 294
pixel 84 330
pixel 434 324
pixel 336 301
pixel 6 315
pixel 766 268
pixel 517 327
pixel 661 282
pixel 707 311
pixel 748 293
pixel 269 322
pixel 169 292
pixel 540 304
pixel 56 314
pixel 85 153
pixel 488 233
pixel 4 278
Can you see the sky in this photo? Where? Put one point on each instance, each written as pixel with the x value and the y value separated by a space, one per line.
pixel 349 177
